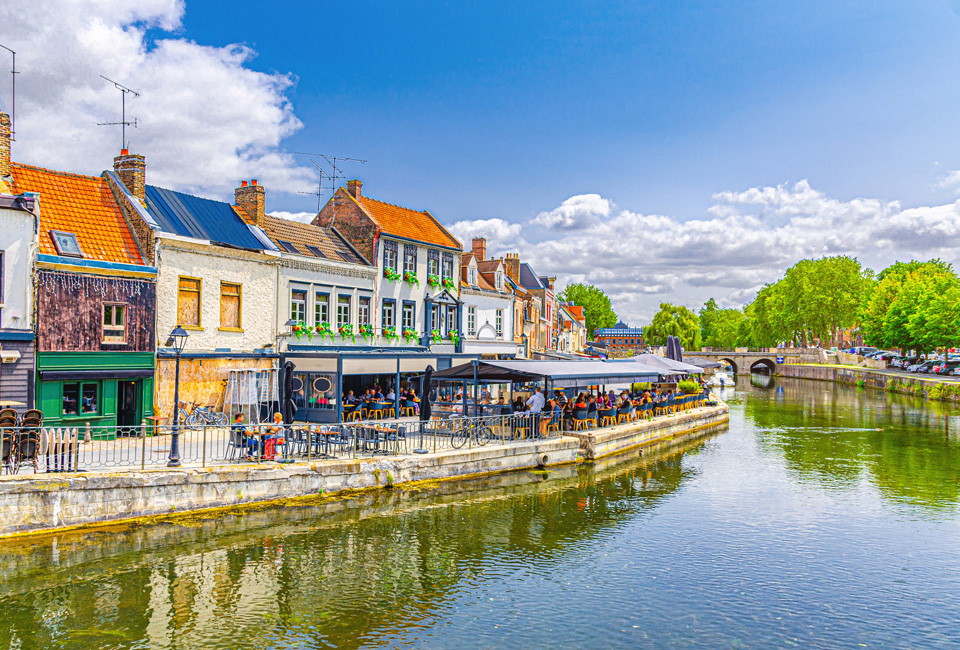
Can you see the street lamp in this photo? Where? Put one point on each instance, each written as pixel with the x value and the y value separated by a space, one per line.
pixel 177 340
pixel 523 338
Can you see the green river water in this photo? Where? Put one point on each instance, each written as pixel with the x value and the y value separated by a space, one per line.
pixel 824 517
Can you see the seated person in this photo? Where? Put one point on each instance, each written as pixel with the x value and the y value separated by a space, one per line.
pixel 391 396
pixel 592 406
pixel 349 400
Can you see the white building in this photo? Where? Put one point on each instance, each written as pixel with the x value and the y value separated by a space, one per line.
pixel 488 305
pixel 18 253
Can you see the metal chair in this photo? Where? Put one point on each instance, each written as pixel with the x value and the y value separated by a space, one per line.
pixel 623 414
pixel 408 409
pixel 608 417
pixel 28 443
pixel 580 419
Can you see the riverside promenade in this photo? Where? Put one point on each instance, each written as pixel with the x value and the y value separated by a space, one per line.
pixel 32 503
pixel 932 387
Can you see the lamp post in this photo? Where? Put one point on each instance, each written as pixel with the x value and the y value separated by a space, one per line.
pixel 177 340
pixel 523 338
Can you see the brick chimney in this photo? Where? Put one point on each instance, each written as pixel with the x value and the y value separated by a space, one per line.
pixel 4 145
pixel 479 248
pixel 512 266
pixel 355 187
pixel 132 170
pixel 250 198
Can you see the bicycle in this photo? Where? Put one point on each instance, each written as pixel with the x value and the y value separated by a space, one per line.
pixel 481 433
pixel 201 416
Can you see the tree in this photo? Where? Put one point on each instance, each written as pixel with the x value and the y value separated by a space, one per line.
pixel 596 305
pixel 881 326
pixel 720 328
pixel 674 320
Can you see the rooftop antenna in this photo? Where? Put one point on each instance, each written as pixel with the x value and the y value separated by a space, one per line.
pixel 124 91
pixel 319 191
pixel 333 178
pixel 13 92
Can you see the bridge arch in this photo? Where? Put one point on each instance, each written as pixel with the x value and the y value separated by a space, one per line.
pixel 763 365
pixel 733 364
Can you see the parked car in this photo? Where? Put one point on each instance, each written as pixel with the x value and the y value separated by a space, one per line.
pixel 906 362
pixel 923 366
pixel 947 367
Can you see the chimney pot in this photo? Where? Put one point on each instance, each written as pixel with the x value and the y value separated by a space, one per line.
pixel 124 152
pixel 243 183
pixel 132 170
pixel 253 182
pixel 479 248
pixel 251 198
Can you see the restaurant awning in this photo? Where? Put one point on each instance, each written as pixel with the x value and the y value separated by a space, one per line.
pixel 703 363
pixel 666 364
pixel 561 374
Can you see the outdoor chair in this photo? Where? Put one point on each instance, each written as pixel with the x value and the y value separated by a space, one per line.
pixel 646 411
pixel 671 404
pixel 28 443
pixel 353 416
pixel 580 419
pixel 608 417
pixel 32 414
pixel 397 438
pixel 407 409
pixel 234 444
pixel 342 439
pixel 660 407
pixel 390 411
pixel 7 414
pixel 623 414
pixel 375 411
pixel 521 427
pixel 8 446
pixel 554 423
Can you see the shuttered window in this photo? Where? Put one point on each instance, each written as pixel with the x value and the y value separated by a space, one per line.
pixel 188 302
pixel 230 306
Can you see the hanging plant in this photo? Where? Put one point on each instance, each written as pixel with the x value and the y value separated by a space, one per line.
pixel 366 331
pixel 436 336
pixel 411 278
pixel 433 280
pixel 391 274
pixel 454 336
pixel 391 333
pixel 300 329
pixel 410 334
pixel 324 330
pixel 346 331
pixel 449 284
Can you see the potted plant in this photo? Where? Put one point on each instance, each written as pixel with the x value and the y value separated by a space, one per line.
pixel 367 332
pixel 689 386
pixel 346 331
pixel 391 274
pixel 324 330
pixel 436 336
pixel 454 336
pixel 300 329
pixel 433 280
pixel 410 335
pixel 391 333
pixel 411 278
pixel 449 284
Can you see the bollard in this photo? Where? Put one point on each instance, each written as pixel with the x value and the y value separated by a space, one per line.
pixel 143 446
pixel 310 441
pixel 203 448
pixel 76 450
pixel 87 437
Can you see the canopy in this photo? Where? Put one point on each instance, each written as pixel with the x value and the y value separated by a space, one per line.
pixel 703 363
pixel 667 364
pixel 561 374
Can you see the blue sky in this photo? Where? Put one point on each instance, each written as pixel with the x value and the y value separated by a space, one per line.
pixel 662 150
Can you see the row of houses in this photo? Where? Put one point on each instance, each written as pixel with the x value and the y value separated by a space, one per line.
pixel 96 271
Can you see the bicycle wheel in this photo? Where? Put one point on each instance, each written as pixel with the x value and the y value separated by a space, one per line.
pixel 458 438
pixel 193 421
pixel 220 419
pixel 483 435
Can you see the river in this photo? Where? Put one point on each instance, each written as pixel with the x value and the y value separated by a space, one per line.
pixel 826 516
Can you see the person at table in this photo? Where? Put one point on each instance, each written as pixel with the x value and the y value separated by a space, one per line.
pixel 391 395
pixel 560 397
pixel 592 407
pixel 377 393
pixel 536 402
pixel 518 405
pixel 581 402
pixel 501 401
pixel 350 399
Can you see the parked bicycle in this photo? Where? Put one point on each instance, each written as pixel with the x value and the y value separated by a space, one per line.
pixel 480 433
pixel 201 416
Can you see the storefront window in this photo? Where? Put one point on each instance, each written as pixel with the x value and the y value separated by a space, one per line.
pixel 315 391
pixel 81 398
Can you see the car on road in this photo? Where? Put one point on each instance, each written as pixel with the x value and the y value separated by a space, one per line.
pixel 947 368
pixel 924 366
pixel 905 362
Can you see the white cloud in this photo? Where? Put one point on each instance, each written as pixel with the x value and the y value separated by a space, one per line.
pixel 748 238
pixel 499 234
pixel 206 121
pixel 302 217
pixel 951 181
pixel 576 213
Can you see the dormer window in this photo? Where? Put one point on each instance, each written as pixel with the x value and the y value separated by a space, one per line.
pixel 66 243
pixel 472 276
pixel 499 281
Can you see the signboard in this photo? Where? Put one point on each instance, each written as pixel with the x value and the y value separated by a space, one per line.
pixel 779 359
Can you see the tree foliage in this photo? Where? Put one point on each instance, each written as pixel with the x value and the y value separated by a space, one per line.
pixel 720 328
pixel 674 320
pixel 596 305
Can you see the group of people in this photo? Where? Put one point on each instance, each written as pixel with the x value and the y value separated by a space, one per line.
pixel 375 394
pixel 259 444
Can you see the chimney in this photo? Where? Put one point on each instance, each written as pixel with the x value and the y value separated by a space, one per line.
pixel 132 170
pixel 4 145
pixel 250 199
pixel 479 248
pixel 354 187
pixel 512 266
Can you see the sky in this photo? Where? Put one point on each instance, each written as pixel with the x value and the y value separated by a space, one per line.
pixel 662 150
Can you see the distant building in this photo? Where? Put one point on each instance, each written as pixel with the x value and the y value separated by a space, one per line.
pixel 620 337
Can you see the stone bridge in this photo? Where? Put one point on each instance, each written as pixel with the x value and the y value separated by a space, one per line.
pixel 764 360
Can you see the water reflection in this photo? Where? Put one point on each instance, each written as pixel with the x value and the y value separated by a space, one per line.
pixel 334 573
pixel 836 435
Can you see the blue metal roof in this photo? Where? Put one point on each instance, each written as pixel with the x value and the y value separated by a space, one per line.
pixel 192 216
pixel 529 279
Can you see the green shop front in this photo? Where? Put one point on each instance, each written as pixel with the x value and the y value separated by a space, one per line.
pixel 105 390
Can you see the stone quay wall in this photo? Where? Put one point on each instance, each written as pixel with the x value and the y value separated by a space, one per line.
pixel 47 502
pixel 924 386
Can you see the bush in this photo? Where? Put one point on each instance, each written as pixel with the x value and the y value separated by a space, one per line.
pixel 689 386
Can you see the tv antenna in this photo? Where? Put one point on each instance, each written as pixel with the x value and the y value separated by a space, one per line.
pixel 333 178
pixel 124 91
pixel 13 92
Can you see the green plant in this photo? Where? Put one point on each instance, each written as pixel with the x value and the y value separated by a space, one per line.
pixel 454 336
pixel 433 280
pixel 300 329
pixel 411 278
pixel 389 480
pixel 391 274
pixel 689 386
pixel 346 331
pixel 324 330
pixel 391 333
pixel 449 284
pixel 410 335
pixel 435 335
pixel 367 332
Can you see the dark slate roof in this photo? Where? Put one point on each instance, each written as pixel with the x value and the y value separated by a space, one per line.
pixel 191 216
pixel 529 279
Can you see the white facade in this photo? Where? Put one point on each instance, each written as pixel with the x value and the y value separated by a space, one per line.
pixel 193 259
pixel 488 314
pixel 18 251
pixel 310 291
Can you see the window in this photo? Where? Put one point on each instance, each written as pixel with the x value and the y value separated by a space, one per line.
pixel 114 323
pixel 499 323
pixel 321 308
pixel 188 302
pixel 298 305
pixel 472 320
pixel 451 319
pixel 229 306
pixel 66 243
pixel 1 282
pixel 409 315
pixel 435 317
pixel 363 310
pixel 343 310
pixel 287 246
pixel 81 398
pixel 389 318
pixel 409 258
pixel 316 252
pixel 347 256
pixel 390 254
pixel 472 276
pixel 499 281
pixel 448 265
pixel 433 262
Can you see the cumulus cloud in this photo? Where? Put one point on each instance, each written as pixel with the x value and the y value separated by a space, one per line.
pixel 576 213
pixel 747 238
pixel 205 119
pixel 302 217
pixel 951 181
pixel 499 234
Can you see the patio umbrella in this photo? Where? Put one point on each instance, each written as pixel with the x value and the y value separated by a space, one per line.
pixel 289 407
pixel 425 394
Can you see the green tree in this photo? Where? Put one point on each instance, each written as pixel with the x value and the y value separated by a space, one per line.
pixel 720 328
pixel 882 324
pixel 596 305
pixel 674 320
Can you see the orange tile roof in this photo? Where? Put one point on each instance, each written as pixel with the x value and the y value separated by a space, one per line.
pixel 83 205
pixel 302 235
pixel 404 222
